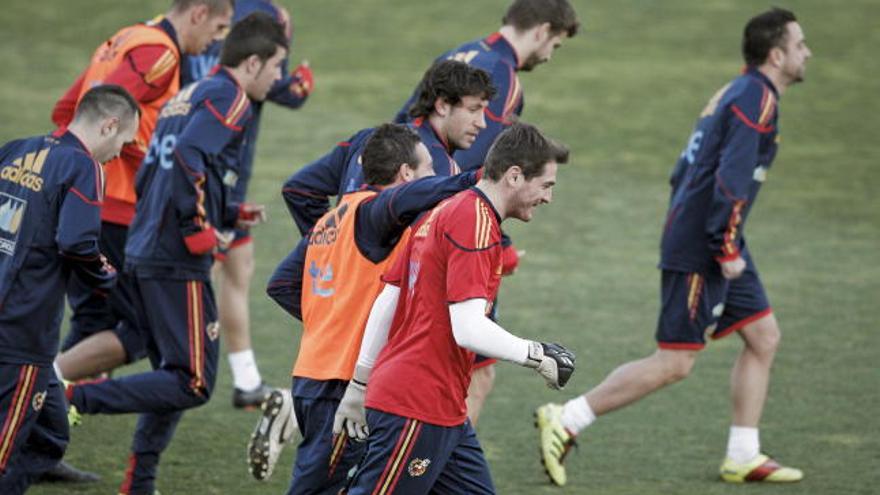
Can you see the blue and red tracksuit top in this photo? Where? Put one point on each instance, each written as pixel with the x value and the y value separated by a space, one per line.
pixel 51 191
pixel 184 185
pixel 195 67
pixel 497 57
pixel 307 192
pixel 379 225
pixel 719 173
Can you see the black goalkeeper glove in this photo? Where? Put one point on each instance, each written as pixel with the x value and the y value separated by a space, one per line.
pixel 552 361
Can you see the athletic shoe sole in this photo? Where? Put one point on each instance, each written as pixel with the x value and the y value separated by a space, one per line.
pixel 275 428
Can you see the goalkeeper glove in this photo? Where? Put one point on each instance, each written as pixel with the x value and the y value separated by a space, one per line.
pixel 552 361
pixel 351 414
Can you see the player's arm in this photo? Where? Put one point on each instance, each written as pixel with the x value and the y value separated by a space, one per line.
pixel 145 72
pixel 472 257
pixel 79 223
pixel 381 221
pixel 474 331
pixel 748 119
pixel 65 107
pixel 214 124
pixel 307 192
pixel 351 414
pixel 285 285
pixel 500 114
pixel 294 87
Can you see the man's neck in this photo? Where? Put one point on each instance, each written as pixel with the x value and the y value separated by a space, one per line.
pixel 177 21
pixel 495 195
pixel 518 40
pixel 438 126
pixel 83 135
pixel 775 75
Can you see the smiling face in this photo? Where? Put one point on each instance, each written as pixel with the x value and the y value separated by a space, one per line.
pixel 530 193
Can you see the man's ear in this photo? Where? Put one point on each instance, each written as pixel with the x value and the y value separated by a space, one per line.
pixel 405 172
pixel 514 176
pixel 542 32
pixel 442 107
pixel 110 127
pixel 198 14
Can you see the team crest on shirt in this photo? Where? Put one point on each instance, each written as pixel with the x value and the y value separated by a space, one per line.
pixel 11 214
pixel 213 330
pixel 39 400
pixel 417 467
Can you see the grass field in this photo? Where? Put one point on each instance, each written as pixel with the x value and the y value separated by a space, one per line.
pixel 623 94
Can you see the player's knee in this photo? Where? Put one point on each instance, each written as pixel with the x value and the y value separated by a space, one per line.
pixel 763 337
pixel 676 365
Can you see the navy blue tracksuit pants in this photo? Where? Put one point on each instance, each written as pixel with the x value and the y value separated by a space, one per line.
pixel 181 319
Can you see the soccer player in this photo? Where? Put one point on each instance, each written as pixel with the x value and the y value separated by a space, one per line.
pixel 237 267
pixel 448 115
pixel 329 282
pixel 145 60
pixel 430 320
pixel 183 213
pixel 531 31
pixel 710 285
pixel 51 189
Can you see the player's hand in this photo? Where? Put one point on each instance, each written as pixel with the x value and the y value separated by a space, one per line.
pixel 303 80
pixel 510 257
pixel 552 361
pixel 734 268
pixel 351 414
pixel 250 215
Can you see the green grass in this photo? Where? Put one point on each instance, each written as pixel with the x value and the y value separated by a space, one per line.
pixel 623 94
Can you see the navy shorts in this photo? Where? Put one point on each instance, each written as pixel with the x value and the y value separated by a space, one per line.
pixel 408 456
pixel 95 311
pixel 34 431
pixel 697 306
pixel 323 461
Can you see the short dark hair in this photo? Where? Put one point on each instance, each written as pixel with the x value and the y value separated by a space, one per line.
pixel 764 32
pixel 450 80
pixel 214 6
pixel 107 100
pixel 389 147
pixel 526 14
pixel 525 146
pixel 257 34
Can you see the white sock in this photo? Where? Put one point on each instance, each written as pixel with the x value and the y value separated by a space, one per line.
pixel 245 374
pixel 57 371
pixel 743 444
pixel 577 415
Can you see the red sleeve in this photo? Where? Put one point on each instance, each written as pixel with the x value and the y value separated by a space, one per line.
pixel 62 114
pixel 394 274
pixel 146 72
pixel 473 254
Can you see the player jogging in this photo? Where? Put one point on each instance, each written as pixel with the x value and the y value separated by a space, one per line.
pixel 710 285
pixel 431 319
